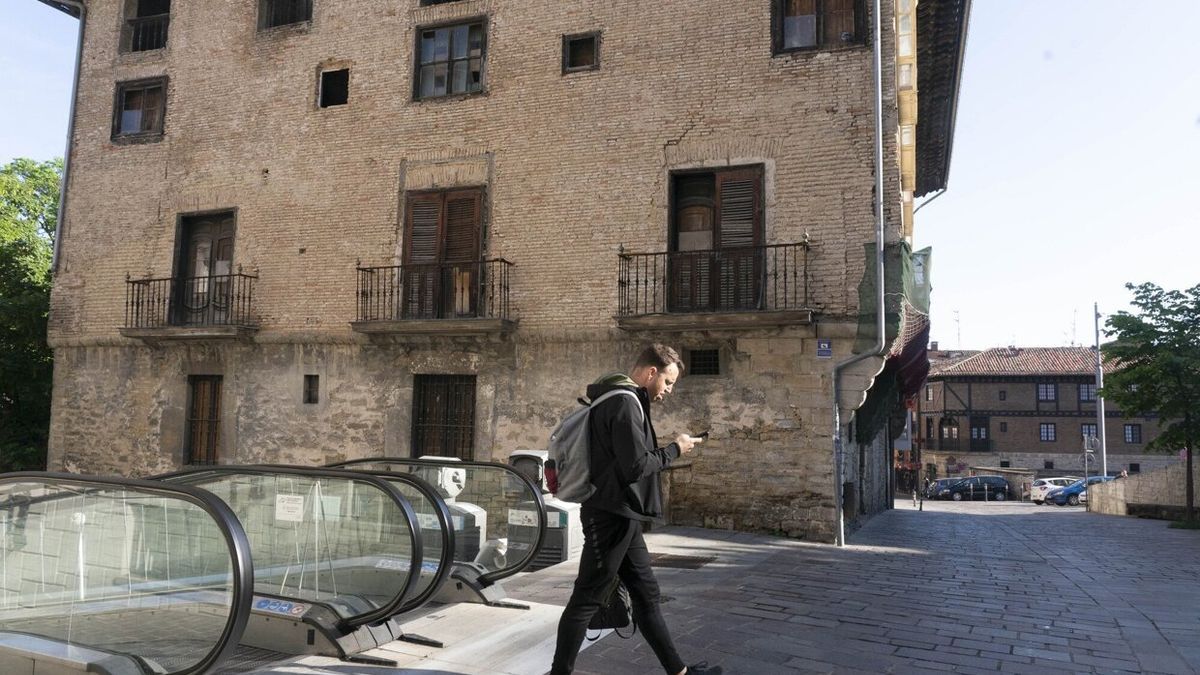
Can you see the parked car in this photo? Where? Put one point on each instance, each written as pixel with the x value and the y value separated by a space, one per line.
pixel 1042 486
pixel 1070 494
pixel 935 488
pixel 992 488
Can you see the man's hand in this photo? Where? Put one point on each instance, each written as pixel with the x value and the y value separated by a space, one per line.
pixel 687 443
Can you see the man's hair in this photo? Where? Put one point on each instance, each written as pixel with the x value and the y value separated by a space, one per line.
pixel 660 356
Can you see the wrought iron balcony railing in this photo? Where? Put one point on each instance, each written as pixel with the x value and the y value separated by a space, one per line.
pixel 744 279
pixel 434 291
pixel 217 300
pixel 146 33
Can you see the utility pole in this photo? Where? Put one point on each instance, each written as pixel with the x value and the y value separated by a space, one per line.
pixel 1099 398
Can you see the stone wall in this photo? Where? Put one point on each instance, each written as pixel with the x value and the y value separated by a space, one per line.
pixel 1165 487
pixel 573 168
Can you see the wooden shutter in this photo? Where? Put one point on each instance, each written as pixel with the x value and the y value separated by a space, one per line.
pixel 421 255
pixel 739 234
pixel 460 256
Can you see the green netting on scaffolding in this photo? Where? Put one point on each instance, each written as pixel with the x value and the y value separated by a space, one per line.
pixel 906 322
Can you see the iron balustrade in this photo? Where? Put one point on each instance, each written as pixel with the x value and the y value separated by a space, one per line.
pixel 734 279
pixel 216 300
pixel 147 33
pixel 434 291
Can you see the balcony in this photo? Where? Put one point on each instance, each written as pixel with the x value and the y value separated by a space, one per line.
pixel 455 299
pixel 745 287
pixel 146 33
pixel 190 308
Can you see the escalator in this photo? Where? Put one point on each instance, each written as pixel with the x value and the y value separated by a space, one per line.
pixel 118 576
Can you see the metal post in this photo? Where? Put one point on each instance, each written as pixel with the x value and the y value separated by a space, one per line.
pixel 1099 398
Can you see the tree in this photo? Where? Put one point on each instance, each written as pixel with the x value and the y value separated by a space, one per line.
pixel 1157 353
pixel 28 211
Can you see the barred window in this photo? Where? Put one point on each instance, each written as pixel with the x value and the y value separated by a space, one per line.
pixel 444 416
pixel 704 362
pixel 204 420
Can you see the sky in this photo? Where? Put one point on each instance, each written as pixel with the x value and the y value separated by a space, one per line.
pixel 1075 167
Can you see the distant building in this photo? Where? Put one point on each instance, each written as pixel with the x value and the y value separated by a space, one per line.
pixel 1023 408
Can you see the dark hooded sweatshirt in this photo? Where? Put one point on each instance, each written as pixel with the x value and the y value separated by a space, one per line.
pixel 625 457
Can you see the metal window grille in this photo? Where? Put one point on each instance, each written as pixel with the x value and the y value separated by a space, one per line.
pixel 1047 465
pixel 312 388
pixel 204 420
pixel 444 416
pixel 704 361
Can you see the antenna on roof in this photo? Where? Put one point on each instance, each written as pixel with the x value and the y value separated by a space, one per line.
pixel 958 327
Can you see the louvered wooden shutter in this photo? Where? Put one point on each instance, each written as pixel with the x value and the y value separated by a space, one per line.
pixel 739 232
pixel 421 254
pixel 461 253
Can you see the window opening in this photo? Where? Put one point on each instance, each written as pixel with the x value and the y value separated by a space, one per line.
pixel 450 60
pixel 204 420
pixel 444 416
pixel 312 388
pixel 581 52
pixel 335 87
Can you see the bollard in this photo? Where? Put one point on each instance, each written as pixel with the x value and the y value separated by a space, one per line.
pixel 914 499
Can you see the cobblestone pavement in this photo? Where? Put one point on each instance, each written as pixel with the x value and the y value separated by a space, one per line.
pixel 958 587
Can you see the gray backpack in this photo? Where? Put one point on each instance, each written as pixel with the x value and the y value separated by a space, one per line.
pixel 568 470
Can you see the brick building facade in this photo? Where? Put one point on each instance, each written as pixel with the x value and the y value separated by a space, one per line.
pixel 303 232
pixel 1024 408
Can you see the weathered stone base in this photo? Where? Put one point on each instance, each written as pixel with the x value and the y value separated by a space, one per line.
pixel 123 407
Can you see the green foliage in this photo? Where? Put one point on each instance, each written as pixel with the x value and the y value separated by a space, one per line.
pixel 28 209
pixel 1157 350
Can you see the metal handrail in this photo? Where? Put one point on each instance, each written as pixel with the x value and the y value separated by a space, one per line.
pixel 147 33
pixel 385 611
pixel 487 577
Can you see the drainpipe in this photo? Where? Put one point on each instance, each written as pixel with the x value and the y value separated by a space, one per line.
pixel 59 230
pixel 838 450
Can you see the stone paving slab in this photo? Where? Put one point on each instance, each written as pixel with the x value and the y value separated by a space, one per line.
pixel 956 587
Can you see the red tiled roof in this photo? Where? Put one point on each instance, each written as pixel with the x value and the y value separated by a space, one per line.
pixel 1024 361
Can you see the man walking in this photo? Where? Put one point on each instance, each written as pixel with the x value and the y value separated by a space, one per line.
pixel 625 466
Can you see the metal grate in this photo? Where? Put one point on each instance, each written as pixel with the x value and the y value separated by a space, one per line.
pixel 444 416
pixel 704 362
pixel 245 659
pixel 683 562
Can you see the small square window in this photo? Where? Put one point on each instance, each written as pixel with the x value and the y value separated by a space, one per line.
pixel 335 87
pixel 704 362
pixel 581 52
pixel 312 388
pixel 1047 465
pixel 1004 427
pixel 1134 467
pixel 1003 395
pixel 1004 464
pixel 140 109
